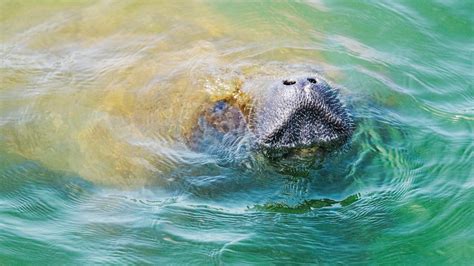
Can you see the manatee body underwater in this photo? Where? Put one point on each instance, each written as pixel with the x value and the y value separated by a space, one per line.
pixel 299 119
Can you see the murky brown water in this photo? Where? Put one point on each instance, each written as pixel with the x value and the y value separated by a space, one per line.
pixel 107 91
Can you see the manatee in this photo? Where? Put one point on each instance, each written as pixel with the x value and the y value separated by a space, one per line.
pixel 298 117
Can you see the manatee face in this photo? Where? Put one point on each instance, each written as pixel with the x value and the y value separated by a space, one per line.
pixel 299 120
pixel 301 114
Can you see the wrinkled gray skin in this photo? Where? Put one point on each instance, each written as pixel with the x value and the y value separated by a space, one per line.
pixel 298 117
pixel 301 112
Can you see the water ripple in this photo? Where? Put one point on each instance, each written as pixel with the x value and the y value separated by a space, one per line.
pixel 96 100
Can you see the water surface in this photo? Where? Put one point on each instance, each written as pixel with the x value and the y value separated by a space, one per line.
pixel 95 97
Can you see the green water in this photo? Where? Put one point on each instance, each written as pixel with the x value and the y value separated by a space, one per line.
pixel 96 95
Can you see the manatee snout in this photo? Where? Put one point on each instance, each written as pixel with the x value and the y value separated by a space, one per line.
pixel 299 114
pixel 299 117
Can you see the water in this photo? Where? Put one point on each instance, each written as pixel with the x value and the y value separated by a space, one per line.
pixel 96 96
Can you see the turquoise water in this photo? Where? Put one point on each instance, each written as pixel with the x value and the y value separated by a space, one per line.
pixel 95 98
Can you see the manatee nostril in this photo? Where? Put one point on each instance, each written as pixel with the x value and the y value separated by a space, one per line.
pixel 312 80
pixel 288 82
